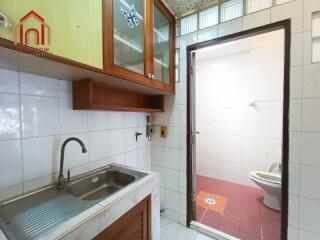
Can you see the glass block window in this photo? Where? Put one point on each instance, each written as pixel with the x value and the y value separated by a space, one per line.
pixel 209 17
pixel 256 5
pixel 189 24
pixel 316 37
pixel 231 9
pixel 282 1
pixel 177 64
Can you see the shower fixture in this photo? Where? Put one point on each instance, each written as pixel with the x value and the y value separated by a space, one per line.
pixel 4 21
pixel 149 127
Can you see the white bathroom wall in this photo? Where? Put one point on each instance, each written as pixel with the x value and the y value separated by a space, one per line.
pixel 304 195
pixel 36 116
pixel 236 138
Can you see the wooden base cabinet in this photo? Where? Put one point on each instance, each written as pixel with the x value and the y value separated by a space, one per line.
pixel 134 225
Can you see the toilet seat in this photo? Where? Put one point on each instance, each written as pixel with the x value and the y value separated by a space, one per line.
pixel 269 177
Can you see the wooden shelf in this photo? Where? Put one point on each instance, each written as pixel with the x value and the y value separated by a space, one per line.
pixel 29 60
pixel 92 95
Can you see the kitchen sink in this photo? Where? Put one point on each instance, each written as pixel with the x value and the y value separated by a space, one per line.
pixel 33 215
pixel 101 184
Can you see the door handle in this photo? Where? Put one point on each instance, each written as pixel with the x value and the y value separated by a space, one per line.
pixel 193 137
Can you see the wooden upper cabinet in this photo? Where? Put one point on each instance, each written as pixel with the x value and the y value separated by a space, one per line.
pixel 75 27
pixel 139 42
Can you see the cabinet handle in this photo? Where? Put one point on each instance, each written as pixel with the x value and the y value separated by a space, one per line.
pixel 153 76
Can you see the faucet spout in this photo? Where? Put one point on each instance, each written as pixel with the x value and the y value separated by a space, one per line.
pixel 61 179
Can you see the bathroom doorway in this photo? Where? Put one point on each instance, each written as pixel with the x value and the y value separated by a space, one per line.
pixel 237 144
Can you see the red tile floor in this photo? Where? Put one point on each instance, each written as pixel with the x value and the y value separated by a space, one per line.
pixel 244 216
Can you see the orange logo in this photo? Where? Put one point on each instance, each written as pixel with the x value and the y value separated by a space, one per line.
pixel 40 34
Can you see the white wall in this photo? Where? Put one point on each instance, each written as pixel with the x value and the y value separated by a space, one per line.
pixel 304 163
pixel 236 138
pixel 36 116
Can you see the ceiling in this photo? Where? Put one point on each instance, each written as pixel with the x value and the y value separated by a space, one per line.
pixel 183 7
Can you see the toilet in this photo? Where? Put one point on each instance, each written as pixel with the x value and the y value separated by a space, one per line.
pixel 271 183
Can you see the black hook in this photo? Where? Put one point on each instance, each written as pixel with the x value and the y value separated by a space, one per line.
pixel 137 135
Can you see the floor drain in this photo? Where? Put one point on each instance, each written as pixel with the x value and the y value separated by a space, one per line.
pixel 210 201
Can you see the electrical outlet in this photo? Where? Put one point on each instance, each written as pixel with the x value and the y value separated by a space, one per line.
pixel 164 132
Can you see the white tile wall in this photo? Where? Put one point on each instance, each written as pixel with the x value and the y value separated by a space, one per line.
pixel 36 116
pixel 304 119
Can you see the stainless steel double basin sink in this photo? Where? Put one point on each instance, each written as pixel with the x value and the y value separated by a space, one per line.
pixel 31 216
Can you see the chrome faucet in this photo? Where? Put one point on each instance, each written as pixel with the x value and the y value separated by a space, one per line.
pixel 61 179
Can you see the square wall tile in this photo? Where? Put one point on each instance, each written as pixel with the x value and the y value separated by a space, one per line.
pixel 130 136
pixel 311 115
pixel 172 200
pixel 9 116
pixel 230 27
pixel 256 19
pixel 161 171
pixel 65 89
pixel 207 34
pixel 183 182
pixel 296 49
pixel 172 179
pixel 10 163
pixel 172 158
pixel 144 157
pixel 116 120
pixel 116 142
pixel 131 119
pixel 173 137
pixel 294 179
pixel 172 116
pixel 72 121
pixel 294 147
pixel 305 235
pixel 131 159
pixel 310 148
pixel 309 175
pixel 98 145
pixel 293 211
pixel 97 121
pixel 309 7
pixel 40 116
pixel 157 156
pixel 295 115
pixel 309 215
pixel 296 82
pixel 156 137
pixel 39 85
pixel 41 157
pixel 311 82
pixel 292 233
pixel 142 139
pixel 9 81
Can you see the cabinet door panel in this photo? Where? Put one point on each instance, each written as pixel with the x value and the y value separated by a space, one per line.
pixel 161 40
pixel 128 33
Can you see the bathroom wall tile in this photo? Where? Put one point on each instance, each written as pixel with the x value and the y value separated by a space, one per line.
pixel 172 179
pixel 207 34
pixel 309 7
pixel 142 119
pixel 305 235
pixel 39 85
pixel 143 140
pixel 311 115
pixel 161 171
pixel 293 211
pixel 157 156
pixel 185 41
pixel 131 159
pixel 74 157
pixel 183 204
pixel 183 160
pixel 309 175
pixel 98 145
pixel 144 157
pixel 173 216
pixel 183 93
pixel 97 121
pixel 183 138
pixel 256 19
pixel 295 115
pixel 10 163
pixel 173 137
pixel 309 214
pixel 131 119
pixel 311 83
pixel 158 118
pixel 294 148
pixel 9 116
pixel 183 70
pixel 116 120
pixel 39 182
pixel 99 164
pixel 307 48
pixel 296 49
pixel 172 158
pixel 172 116
pixel 72 121
pixel 294 179
pixel 293 10
pixel 172 200
pixel 310 148
pixel 230 27
pixel 44 153
pixel 65 89
pixel 183 116
pixel 9 81
pixel 40 116
pixel 116 140
pixel 292 233
pixel 183 182
pixel 156 137
pixel 118 159
pixel 130 139
pixel 296 82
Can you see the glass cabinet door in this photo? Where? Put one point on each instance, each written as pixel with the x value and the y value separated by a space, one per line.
pixel 129 34
pixel 161 41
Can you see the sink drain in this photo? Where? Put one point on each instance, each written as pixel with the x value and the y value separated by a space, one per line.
pixel 210 201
